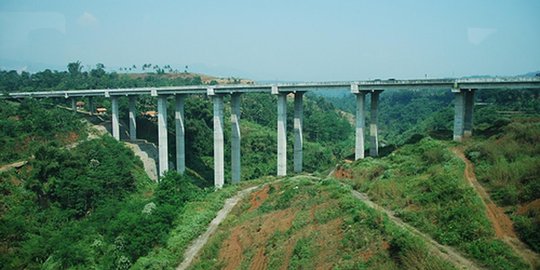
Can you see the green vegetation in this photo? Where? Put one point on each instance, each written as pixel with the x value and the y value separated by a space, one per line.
pixel 424 184
pixel 327 136
pixel 94 207
pixel 508 165
pixel 27 126
pixel 301 223
pixel 91 206
pixel 404 114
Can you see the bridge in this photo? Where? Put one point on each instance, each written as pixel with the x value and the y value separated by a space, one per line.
pixel 463 90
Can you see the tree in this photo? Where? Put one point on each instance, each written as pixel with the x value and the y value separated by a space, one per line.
pixel 75 68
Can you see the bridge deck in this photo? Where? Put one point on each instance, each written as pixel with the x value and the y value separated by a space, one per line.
pixel 480 84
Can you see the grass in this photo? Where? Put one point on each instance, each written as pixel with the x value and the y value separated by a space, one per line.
pixel 424 184
pixel 191 223
pixel 307 224
pixel 508 165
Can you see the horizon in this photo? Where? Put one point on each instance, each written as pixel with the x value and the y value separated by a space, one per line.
pixel 277 41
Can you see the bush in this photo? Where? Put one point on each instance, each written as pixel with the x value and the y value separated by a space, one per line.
pixel 176 189
pixel 528 229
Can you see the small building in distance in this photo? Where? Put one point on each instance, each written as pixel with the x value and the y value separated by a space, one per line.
pixel 80 105
pixel 150 114
pixel 101 111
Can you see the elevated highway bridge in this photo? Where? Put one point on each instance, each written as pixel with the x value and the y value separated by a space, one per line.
pixel 463 90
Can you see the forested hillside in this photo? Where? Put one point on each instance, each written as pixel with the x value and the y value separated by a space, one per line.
pixel 405 113
pixel 87 203
pixel 328 136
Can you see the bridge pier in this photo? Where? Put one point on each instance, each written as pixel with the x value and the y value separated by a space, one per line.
pixel 463 113
pixel 132 118
pixel 235 138
pixel 459 111
pixel 360 125
pixel 162 135
pixel 73 105
pixel 180 134
pixel 219 170
pixel 282 134
pixel 373 132
pixel 114 118
pixel 91 105
pixel 469 109
pixel 298 126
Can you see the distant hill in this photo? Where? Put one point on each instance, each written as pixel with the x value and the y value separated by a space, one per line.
pixel 531 74
pixel 206 79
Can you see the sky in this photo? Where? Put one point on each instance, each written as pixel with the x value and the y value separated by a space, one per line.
pixel 284 40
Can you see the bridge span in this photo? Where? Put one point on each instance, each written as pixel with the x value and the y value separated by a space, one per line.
pixel 463 90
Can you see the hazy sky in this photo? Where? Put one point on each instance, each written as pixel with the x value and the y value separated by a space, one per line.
pixel 278 39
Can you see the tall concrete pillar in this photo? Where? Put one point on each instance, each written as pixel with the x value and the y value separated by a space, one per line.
pixel 180 134
pixel 468 117
pixel 298 125
pixel 132 118
pixel 114 117
pixel 373 132
pixel 219 169
pixel 73 104
pixel 360 125
pixel 282 134
pixel 91 105
pixel 459 110
pixel 162 135
pixel 235 138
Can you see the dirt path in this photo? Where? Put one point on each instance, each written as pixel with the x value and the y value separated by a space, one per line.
pixel 445 252
pixel 198 244
pixel 501 223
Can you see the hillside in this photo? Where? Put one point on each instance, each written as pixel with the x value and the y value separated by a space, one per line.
pixel 204 79
pixel 72 199
pixel 310 223
pixel 424 206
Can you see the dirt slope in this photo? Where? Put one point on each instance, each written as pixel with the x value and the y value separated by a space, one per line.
pixel 197 245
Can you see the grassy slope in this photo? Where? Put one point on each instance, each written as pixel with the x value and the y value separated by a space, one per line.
pixel 424 184
pixel 300 223
pixel 508 165
pixel 189 224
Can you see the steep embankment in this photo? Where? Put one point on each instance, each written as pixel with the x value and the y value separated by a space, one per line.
pixel 305 222
pixel 424 185
pixel 502 224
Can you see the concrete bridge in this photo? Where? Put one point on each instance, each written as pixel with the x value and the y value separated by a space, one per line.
pixel 463 90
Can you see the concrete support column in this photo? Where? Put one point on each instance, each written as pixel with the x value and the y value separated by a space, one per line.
pixel 459 111
pixel 162 135
pixel 91 105
pixel 298 125
pixel 132 118
pixel 373 132
pixel 114 118
pixel 73 104
pixel 468 117
pixel 282 134
pixel 360 125
pixel 180 134
pixel 235 138
pixel 219 169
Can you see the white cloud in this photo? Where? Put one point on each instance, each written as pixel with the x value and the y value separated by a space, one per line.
pixel 479 35
pixel 87 19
